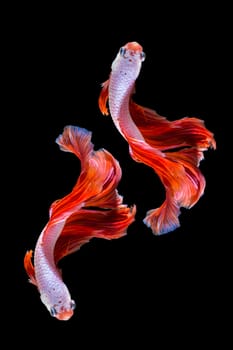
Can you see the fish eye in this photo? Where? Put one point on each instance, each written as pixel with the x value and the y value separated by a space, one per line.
pixel 142 56
pixel 122 51
pixel 53 311
pixel 72 304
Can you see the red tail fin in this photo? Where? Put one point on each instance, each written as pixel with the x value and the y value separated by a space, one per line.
pixel 174 150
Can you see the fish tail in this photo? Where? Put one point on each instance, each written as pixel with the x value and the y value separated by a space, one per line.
pixel 76 140
pixel 163 219
pixel 174 150
pixel 182 179
pixel 94 208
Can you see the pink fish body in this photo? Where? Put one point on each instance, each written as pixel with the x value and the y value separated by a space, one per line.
pixel 173 149
pixel 92 209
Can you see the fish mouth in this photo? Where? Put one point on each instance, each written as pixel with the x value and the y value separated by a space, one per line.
pixel 64 315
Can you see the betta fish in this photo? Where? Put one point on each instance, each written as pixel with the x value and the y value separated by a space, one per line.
pixel 92 209
pixel 173 149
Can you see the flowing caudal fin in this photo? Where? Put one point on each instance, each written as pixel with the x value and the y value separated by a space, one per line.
pixel 93 208
pixel 174 150
pixel 93 170
pixel 165 218
pixel 184 193
pixel 76 140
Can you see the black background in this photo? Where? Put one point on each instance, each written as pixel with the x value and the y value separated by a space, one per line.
pixel 140 287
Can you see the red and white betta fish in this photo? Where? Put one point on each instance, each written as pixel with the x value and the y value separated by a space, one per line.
pixel 173 149
pixel 92 209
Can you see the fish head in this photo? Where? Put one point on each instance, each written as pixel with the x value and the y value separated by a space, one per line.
pixel 131 50
pixel 60 307
pixel 63 312
pixel 129 59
